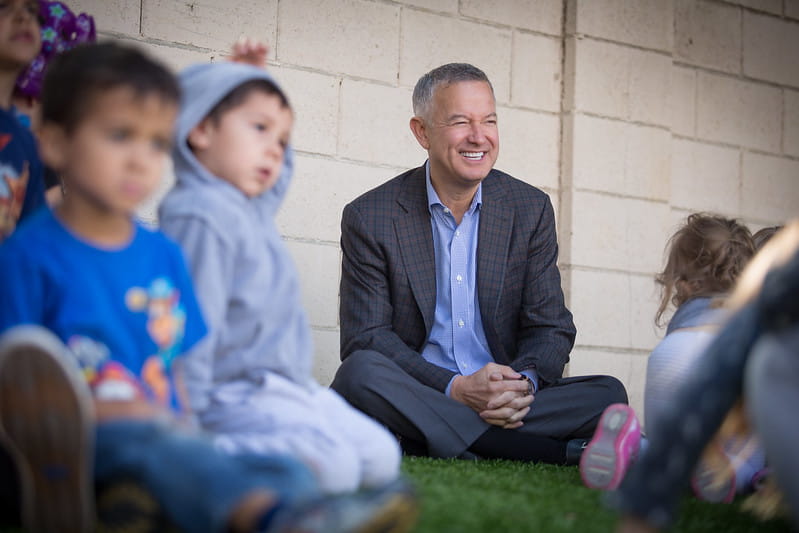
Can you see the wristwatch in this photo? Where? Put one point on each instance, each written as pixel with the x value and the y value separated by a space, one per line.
pixel 530 386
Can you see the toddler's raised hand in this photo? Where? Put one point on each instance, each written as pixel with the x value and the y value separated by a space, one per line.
pixel 249 51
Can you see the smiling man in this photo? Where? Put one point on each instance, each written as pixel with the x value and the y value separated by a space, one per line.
pixel 454 332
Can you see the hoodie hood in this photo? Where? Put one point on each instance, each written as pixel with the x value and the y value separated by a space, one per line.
pixel 203 87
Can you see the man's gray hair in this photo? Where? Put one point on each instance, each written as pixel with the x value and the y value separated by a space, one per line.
pixel 444 75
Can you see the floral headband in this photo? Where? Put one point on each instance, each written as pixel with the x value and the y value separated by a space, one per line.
pixel 61 30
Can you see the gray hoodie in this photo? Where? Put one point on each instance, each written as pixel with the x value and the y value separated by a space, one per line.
pixel 245 279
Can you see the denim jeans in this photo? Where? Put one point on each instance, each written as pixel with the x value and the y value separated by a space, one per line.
pixel 197 485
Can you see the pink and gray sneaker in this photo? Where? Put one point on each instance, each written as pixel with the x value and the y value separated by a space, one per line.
pixel 614 446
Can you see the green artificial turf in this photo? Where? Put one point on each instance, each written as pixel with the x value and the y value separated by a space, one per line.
pixel 507 496
pixel 512 497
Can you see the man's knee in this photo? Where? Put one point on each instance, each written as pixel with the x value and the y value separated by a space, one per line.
pixel 614 390
pixel 357 370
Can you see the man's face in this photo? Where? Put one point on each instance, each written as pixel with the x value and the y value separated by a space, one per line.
pixel 460 134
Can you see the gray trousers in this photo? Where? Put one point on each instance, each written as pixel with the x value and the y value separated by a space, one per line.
pixel 430 423
pixel 772 392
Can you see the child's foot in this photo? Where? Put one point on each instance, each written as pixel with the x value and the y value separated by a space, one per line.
pixel 614 445
pixel 45 416
pixel 392 509
pixel 709 487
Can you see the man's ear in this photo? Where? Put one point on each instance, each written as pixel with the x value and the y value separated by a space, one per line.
pixel 420 132
pixel 53 145
pixel 199 137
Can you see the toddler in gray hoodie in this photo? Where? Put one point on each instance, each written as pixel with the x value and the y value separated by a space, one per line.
pixel 250 380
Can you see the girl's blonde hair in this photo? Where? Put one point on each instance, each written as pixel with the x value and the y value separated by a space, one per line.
pixel 704 258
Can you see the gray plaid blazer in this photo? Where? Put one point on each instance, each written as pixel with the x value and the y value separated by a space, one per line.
pixel 388 277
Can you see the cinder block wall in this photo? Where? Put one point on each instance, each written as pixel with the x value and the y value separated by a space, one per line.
pixel 629 113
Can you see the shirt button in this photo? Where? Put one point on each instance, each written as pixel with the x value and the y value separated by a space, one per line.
pixel 459 278
pixel 460 323
pixel 446 210
pixel 457 233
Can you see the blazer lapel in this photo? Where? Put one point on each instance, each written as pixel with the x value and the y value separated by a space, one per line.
pixel 415 237
pixel 493 242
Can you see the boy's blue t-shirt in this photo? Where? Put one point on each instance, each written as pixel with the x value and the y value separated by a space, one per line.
pixel 125 313
pixel 21 173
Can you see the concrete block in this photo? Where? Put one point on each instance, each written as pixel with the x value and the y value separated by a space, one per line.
pixel 599 233
pixel 601 79
pixel 790 139
pixel 529 146
pixel 621 82
pixel 374 125
pixel 326 360
pixel 584 361
pixel 209 24
pixel 147 212
pixel 791 8
pixel 430 40
pixel 771 49
pixel 536 72
pixel 647 233
pixel 644 23
pixel 637 384
pixel 445 6
pixel 538 15
pixel 708 35
pixel 643 305
pixel 175 58
pixel 769 6
pixel 683 101
pixel 315 101
pixel 770 187
pixel 617 233
pixel 649 88
pixel 621 158
pixel 600 304
pixel 738 112
pixel 318 266
pixel 356 37
pixel 628 367
pixel 705 177
pixel 570 74
pixel 320 190
pixel 117 16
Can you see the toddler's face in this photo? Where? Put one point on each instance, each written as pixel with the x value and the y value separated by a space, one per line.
pixel 20 37
pixel 115 157
pixel 246 145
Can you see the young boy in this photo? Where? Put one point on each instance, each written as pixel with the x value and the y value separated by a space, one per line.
pixel 251 382
pixel 21 171
pixel 119 296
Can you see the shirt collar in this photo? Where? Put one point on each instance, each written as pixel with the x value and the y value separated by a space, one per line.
pixel 433 199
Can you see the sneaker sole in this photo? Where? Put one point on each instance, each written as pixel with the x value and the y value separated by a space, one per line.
pixel 600 467
pixel 36 385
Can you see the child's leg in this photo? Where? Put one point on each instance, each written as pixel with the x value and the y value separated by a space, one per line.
pixel 45 413
pixel 772 394
pixel 283 417
pixel 198 486
pixel 377 449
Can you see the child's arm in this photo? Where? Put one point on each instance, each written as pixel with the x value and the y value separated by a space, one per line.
pixel 108 410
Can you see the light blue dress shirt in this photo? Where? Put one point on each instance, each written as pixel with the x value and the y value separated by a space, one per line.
pixel 457 340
